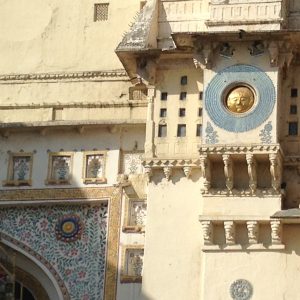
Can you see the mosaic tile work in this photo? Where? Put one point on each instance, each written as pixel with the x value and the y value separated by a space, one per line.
pixel 265 134
pixel 81 264
pixel 240 74
pixel 211 134
pixel 21 168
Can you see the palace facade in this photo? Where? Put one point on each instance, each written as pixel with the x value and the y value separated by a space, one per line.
pixel 149 150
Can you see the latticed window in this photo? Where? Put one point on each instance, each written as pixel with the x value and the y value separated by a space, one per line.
pixel 100 12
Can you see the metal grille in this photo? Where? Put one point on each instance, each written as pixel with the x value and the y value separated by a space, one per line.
pixel 100 12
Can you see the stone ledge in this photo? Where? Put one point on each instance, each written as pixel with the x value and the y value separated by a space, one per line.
pixel 247 247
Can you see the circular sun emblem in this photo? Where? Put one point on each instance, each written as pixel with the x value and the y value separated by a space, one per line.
pixel 68 228
pixel 241 289
pixel 239 99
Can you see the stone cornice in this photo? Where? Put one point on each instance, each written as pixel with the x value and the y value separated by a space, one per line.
pixel 172 162
pixel 238 149
pixel 66 76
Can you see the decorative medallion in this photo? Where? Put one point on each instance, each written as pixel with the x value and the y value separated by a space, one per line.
pixel 240 98
pixel 68 228
pixel 241 289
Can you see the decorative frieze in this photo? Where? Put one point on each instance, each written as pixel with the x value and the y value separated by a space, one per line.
pixel 211 224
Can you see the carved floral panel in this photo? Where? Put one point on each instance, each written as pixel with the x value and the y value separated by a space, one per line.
pixel 21 168
pixel 60 166
pixel 132 163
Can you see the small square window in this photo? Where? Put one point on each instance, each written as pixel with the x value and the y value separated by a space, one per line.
pixel 182 96
pixel 183 80
pixel 163 112
pixel 198 130
pixel 181 112
pixel 181 130
pixel 100 12
pixel 293 109
pixel 200 95
pixel 200 112
pixel 294 93
pixel 162 130
pixel 293 128
pixel 164 96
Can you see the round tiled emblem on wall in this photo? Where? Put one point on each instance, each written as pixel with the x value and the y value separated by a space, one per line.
pixel 68 228
pixel 241 289
pixel 240 98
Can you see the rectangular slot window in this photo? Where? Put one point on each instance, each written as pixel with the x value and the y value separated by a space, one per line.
pixel 181 112
pixel 164 96
pixel 162 130
pixel 200 95
pixel 293 109
pixel 182 96
pixel 181 130
pixel 183 80
pixel 163 112
pixel 294 93
pixel 293 128
pixel 198 130
pixel 100 12
pixel 200 112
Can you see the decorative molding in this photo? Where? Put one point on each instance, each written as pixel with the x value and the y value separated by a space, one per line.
pixel 243 74
pixel 110 194
pixel 265 134
pixel 259 192
pixel 238 149
pixel 67 76
pixel 241 289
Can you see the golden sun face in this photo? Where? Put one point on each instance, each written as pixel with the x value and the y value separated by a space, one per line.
pixel 240 99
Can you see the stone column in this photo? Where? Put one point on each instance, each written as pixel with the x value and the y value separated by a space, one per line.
pixel 275 171
pixel 150 125
pixel 251 162
pixel 228 171
pixel 206 174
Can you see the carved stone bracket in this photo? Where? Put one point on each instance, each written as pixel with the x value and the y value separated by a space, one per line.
pixel 187 171
pixel 229 227
pixel 148 172
pixel 281 54
pixel 207 228
pixel 203 56
pixel 228 171
pixel 276 232
pixel 253 232
pixel 167 172
pixel 251 162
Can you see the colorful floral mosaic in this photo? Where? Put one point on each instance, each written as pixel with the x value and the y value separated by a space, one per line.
pixel 80 264
pixel 21 168
pixel 68 228
pixel 94 166
pixel 60 168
